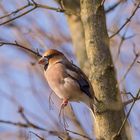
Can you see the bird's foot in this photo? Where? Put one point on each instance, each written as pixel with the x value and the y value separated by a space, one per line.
pixel 64 103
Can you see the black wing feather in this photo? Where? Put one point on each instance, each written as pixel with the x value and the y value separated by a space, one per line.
pixel 80 78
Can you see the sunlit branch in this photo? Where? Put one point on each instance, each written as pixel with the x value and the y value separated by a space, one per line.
pixel 127 21
pixel 2 43
pixel 34 5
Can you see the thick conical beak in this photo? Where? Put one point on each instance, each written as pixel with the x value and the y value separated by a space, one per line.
pixel 41 60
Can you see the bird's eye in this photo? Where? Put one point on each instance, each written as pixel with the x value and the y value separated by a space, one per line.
pixel 45 57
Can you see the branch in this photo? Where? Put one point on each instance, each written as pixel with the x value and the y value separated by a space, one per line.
pixel 55 133
pixel 20 46
pixel 112 7
pixel 34 6
pixel 24 125
pixel 123 38
pixel 126 22
pixel 129 68
pixel 15 123
pixel 131 100
pixel 37 135
pixel 124 121
pixel 79 134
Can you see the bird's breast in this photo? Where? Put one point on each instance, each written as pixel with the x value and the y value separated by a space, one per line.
pixel 63 86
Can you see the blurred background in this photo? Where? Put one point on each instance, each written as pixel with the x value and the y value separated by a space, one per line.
pixel 24 93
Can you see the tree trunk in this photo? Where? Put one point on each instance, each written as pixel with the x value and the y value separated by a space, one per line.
pixel 72 8
pixel 78 39
pixel 108 122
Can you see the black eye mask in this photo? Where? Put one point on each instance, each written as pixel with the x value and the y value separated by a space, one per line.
pixel 50 56
pixel 47 60
pixel 46 66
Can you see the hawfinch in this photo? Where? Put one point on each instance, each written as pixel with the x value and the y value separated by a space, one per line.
pixel 66 80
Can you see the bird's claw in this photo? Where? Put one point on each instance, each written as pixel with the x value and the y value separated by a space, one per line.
pixel 64 103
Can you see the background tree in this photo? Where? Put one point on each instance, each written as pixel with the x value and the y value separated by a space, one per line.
pixel 38 25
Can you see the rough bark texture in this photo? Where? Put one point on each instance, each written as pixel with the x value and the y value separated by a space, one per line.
pixel 78 39
pixel 72 8
pixel 103 74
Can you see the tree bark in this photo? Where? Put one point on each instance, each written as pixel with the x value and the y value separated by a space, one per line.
pixel 108 122
pixel 78 39
pixel 72 8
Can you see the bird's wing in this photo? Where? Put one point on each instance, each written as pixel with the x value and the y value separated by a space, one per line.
pixel 76 74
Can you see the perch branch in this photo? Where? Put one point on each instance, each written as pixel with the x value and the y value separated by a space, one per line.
pixel 127 21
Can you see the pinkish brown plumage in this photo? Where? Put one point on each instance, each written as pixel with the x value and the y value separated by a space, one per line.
pixel 67 81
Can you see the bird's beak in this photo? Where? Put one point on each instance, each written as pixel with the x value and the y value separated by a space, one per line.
pixel 41 60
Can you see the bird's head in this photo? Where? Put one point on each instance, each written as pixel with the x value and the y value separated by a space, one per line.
pixel 51 56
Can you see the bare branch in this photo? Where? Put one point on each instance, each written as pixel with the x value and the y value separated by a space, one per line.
pixel 134 101
pixel 20 46
pixel 14 12
pixel 112 7
pixel 123 38
pixel 131 100
pixel 37 135
pixel 129 68
pixel 127 21
pixel 34 6
pixel 78 134
pixel 31 125
pixel 25 125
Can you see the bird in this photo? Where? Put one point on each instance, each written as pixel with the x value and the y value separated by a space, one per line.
pixel 66 79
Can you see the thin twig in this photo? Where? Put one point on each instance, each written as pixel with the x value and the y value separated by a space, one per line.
pixel 131 65
pixel 130 101
pixel 123 38
pixel 16 44
pixel 60 138
pixel 125 119
pixel 14 12
pixel 34 6
pixel 9 20
pixel 37 135
pixel 127 21
pixel 55 133
pixel 25 125
pixel 23 115
pixel 21 111
pixel 112 7
pixel 79 134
